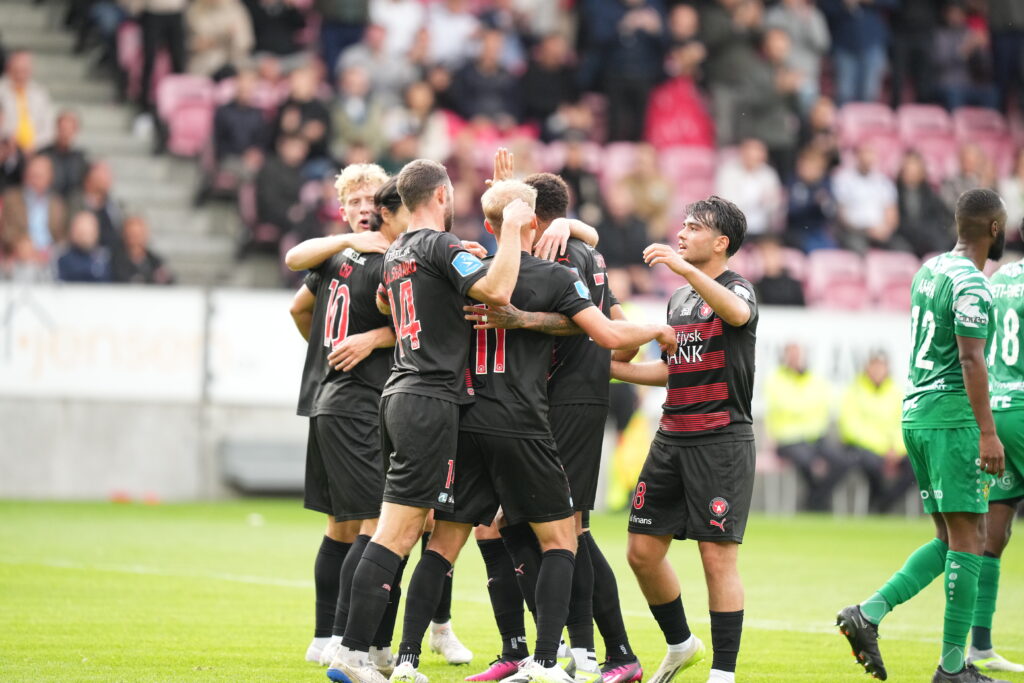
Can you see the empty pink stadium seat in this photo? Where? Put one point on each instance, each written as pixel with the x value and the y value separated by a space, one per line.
pixel 888 154
pixel 185 103
pixel 130 58
pixel 919 121
pixel 971 123
pixel 835 279
pixel 889 275
pixel 796 263
pixel 617 161
pixel 1000 151
pixel 859 121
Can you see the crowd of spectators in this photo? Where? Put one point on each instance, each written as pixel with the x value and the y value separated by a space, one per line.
pixel 58 216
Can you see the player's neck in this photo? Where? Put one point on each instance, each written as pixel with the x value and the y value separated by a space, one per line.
pixel 713 268
pixel 426 220
pixel 977 253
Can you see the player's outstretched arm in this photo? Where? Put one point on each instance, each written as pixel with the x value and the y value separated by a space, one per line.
pixel 623 355
pixel 313 252
pixel 301 310
pixel 652 374
pixel 356 347
pixel 495 288
pixel 619 334
pixel 511 318
pixel 555 238
pixel 972 361
pixel 732 309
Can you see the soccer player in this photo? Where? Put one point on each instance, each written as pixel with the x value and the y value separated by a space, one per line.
pixel 427 275
pixel 506 454
pixel 1006 381
pixel 330 458
pixel 950 437
pixel 699 474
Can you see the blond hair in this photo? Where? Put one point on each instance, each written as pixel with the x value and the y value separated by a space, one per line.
pixel 500 195
pixel 358 175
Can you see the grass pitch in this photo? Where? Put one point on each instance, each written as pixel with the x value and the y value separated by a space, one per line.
pixel 224 592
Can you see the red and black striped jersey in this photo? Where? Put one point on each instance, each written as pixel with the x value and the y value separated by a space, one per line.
pixel 711 375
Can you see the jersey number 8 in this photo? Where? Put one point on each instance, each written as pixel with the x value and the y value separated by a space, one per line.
pixel 1009 346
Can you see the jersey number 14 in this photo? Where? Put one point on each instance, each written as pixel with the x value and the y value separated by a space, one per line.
pixel 406 324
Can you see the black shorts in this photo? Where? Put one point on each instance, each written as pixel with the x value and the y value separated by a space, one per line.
pixel 523 476
pixel 700 492
pixel 344 467
pixel 419 437
pixel 579 433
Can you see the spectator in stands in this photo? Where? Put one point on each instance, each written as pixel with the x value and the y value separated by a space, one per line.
pixel 915 22
pixel 220 37
pixel 11 158
pixel 585 189
pixel 304 114
pixel 777 286
pixel 866 201
pixel 275 24
pixel 821 130
pixel 730 30
pixel 440 80
pixel 401 19
pixel 133 261
pixel 1006 24
pixel 240 131
pixel 797 419
pixel 925 223
pixel 279 189
pixel 483 89
pixel 975 170
pixel 872 435
pixel 812 206
pixel 421 120
pixel 389 74
pixel 677 113
pixel 754 186
pixel 452 28
pixel 549 82
pixel 342 24
pixel 624 238
pixel 163 25
pixel 85 259
pixel 29 116
pixel 1011 189
pixel 33 211
pixel 357 116
pixel 810 40
pixel 634 67
pixel 504 16
pixel 962 62
pixel 860 39
pixel 26 264
pixel 70 163
pixel 651 192
pixel 95 197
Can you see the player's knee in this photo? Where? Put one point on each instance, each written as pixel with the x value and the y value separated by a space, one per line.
pixel 642 558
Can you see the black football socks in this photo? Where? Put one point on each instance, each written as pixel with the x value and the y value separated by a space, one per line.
pixel 326 578
pixel 580 623
pixel 522 545
pixel 444 608
pixel 554 589
pixel 671 619
pixel 506 599
pixel 371 590
pixel 726 629
pixel 386 630
pixel 607 612
pixel 348 570
pixel 425 588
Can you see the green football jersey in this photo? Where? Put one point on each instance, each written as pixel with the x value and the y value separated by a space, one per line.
pixel 1005 365
pixel 950 297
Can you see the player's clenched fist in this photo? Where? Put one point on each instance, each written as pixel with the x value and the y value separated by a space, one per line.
pixel 667 340
pixel 993 459
pixel 516 214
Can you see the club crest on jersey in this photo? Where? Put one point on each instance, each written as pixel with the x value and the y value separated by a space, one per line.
pixel 582 290
pixel 719 506
pixel 705 310
pixel 465 264
pixel 598 279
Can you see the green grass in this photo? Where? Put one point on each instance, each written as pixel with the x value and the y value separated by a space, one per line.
pixel 223 592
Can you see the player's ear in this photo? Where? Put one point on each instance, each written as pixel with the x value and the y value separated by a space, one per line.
pixel 487 226
pixel 722 244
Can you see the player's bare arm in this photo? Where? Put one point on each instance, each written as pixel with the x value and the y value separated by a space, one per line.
pixel 619 334
pixel 730 308
pixel 554 240
pixel 356 347
pixel 496 287
pixel 301 310
pixel 652 374
pixel 622 355
pixel 511 318
pixel 313 252
pixel 972 361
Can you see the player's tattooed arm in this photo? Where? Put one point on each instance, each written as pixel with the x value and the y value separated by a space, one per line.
pixel 313 252
pixel 356 347
pixel 653 374
pixel 972 362
pixel 553 241
pixel 511 318
pixel 301 310
pixel 620 334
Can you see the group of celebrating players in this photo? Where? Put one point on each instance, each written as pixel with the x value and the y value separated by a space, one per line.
pixel 453 393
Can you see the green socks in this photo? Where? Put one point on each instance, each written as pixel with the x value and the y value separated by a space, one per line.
pixel 985 607
pixel 961 589
pixel 920 569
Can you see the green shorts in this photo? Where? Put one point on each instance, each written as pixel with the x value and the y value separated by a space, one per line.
pixel 947 466
pixel 1010 426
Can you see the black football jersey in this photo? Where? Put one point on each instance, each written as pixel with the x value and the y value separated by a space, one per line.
pixel 427 275
pixel 711 375
pixel 580 369
pixel 509 368
pixel 345 286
